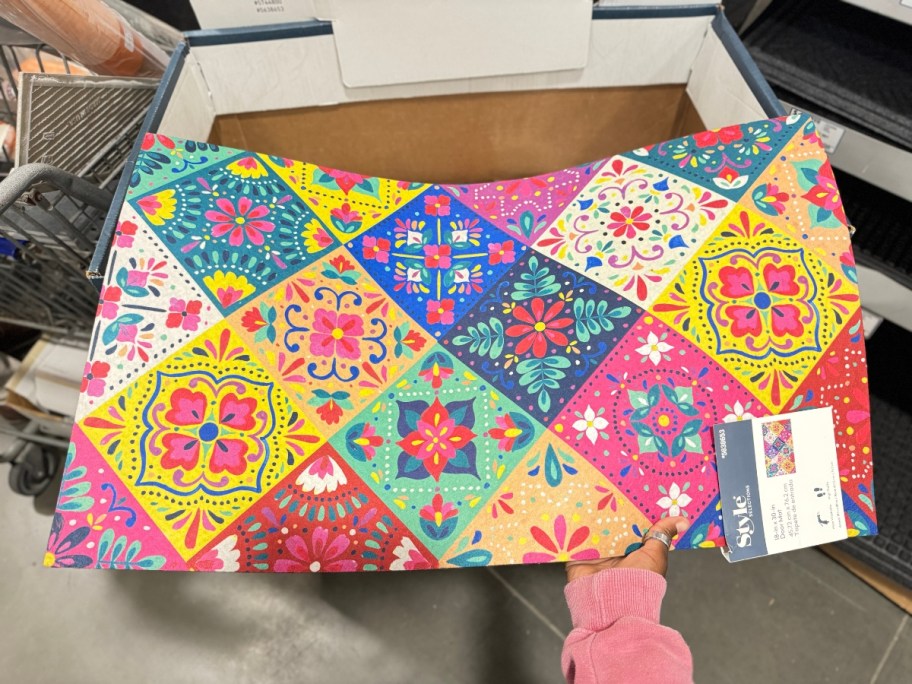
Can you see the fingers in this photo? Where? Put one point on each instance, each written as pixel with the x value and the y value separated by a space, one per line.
pixel 671 526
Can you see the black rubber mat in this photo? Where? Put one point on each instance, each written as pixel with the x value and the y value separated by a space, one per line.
pixel 890 374
pixel 883 227
pixel 846 59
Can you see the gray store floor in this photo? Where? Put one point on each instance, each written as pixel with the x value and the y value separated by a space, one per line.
pixel 794 618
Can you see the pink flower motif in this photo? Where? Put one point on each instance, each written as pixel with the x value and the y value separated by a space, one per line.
pixel 627 221
pixel 376 249
pixel 437 205
pixel 750 300
pixel 825 194
pixel 440 312
pixel 558 547
pixel 123 236
pixel 501 252
pixel 323 554
pixel 137 278
pixel 438 510
pixel 344 179
pixel 127 333
pixel 336 334
pixel 437 256
pixel 184 314
pixel 109 301
pixel 346 214
pixel 240 221
pixel 436 439
pixel 190 410
pixel 93 378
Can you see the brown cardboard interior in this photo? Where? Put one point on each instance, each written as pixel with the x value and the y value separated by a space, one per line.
pixel 468 138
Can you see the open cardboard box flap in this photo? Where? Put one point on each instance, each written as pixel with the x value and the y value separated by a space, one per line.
pixel 651 74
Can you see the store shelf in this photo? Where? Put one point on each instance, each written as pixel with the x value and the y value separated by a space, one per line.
pixel 900 10
pixel 851 69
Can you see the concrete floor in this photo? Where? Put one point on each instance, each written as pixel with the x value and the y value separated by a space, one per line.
pixel 794 618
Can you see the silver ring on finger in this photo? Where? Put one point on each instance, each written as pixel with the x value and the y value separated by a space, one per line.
pixel 658 535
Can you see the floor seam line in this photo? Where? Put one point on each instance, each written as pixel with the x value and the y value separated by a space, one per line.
pixel 890 647
pixel 528 604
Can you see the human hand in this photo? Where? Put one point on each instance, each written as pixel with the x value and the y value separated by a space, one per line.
pixel 652 554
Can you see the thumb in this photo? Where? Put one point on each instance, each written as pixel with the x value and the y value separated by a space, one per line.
pixel 672 526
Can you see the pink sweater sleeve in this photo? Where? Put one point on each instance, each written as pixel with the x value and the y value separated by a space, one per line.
pixel 616 633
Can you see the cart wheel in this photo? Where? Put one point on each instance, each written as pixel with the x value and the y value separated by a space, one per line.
pixel 33 474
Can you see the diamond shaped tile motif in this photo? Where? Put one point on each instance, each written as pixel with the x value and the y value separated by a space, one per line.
pixel 644 419
pixel 200 437
pixel 765 307
pixel 296 368
pixel 633 227
pixel 235 227
pixel 332 336
pixel 435 257
pixel 540 332
pixel 437 445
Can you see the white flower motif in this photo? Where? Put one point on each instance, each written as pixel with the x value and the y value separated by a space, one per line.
pixel 413 275
pixel 460 235
pixel 407 556
pixel 739 412
pixel 460 275
pixel 414 237
pixel 227 552
pixel 590 424
pixel 323 475
pixel 653 349
pixel 675 500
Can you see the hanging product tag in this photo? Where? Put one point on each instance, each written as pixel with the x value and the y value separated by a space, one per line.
pixel 779 483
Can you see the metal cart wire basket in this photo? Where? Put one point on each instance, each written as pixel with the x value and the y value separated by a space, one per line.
pixel 50 221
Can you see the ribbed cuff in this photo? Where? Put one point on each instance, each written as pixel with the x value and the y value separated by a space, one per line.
pixel 596 602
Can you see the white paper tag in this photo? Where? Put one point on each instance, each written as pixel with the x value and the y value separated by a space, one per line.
pixel 779 483
pixel 870 322
pixel 830 133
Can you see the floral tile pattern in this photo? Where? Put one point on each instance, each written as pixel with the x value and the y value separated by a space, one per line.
pixel 540 331
pixel 296 368
pixel 633 227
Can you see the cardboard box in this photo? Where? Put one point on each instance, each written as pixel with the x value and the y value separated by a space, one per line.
pixel 648 75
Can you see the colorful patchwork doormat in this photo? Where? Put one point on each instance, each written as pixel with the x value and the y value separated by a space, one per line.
pixel 299 369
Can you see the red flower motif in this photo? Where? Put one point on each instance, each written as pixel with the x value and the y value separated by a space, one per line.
pixel 323 554
pixel 440 312
pixel 437 256
pixel 719 136
pixel 376 249
pixel 539 327
pixel 436 439
pixel 559 548
pixel 150 138
pixel 330 412
pixel 93 376
pixel 341 264
pixel 414 341
pixel 506 432
pixel 437 205
pixel 123 236
pixel 434 372
pixel 184 314
pixel 189 410
pixel 627 221
pixel 108 301
pixel 336 334
pixel 240 221
pixel 501 253
pixel 253 320
pixel 438 510
pixel 727 174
